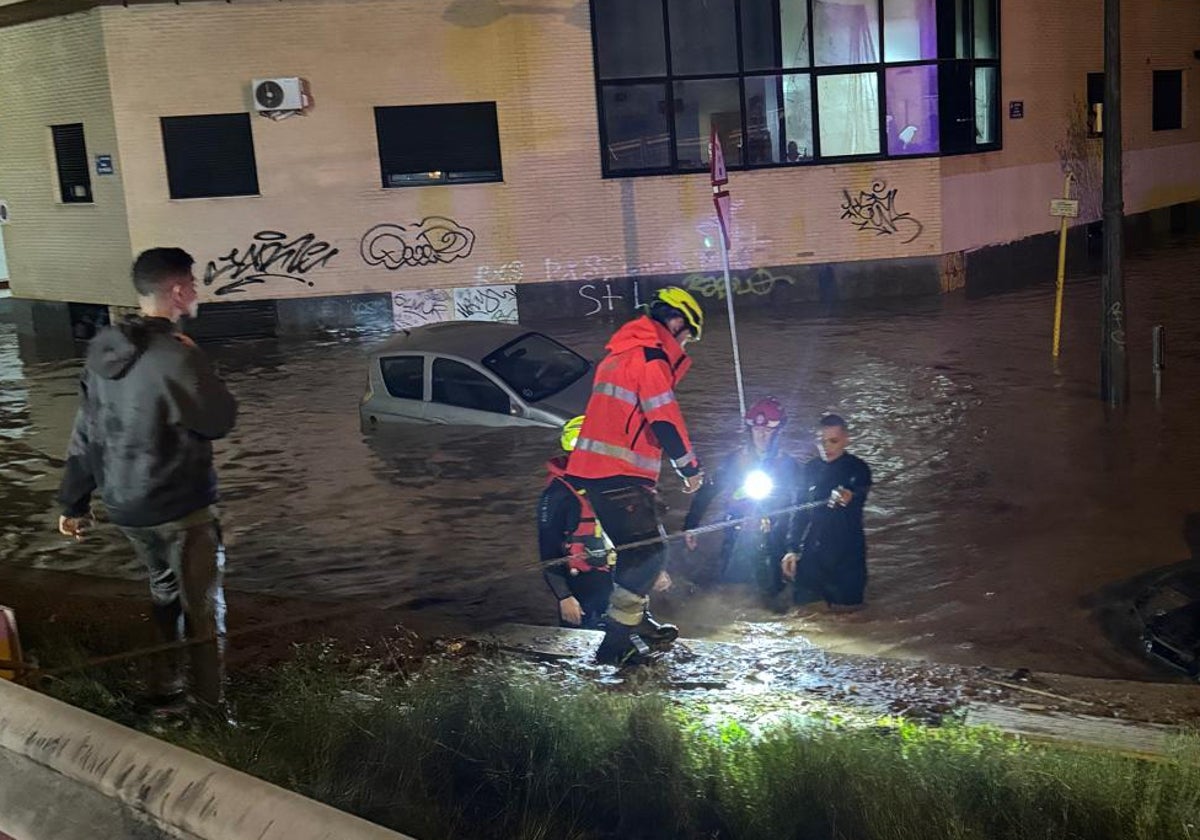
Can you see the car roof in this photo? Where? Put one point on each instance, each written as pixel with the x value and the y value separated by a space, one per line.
pixel 468 339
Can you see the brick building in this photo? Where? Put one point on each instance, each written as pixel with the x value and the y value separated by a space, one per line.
pixel 472 158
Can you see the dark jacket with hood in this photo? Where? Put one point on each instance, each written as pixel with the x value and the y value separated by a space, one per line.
pixel 150 405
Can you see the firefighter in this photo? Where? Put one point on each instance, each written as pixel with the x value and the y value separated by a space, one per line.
pixel 632 418
pixel 758 479
pixel 567 527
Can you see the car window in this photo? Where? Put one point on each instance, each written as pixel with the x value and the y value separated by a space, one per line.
pixel 404 376
pixel 536 366
pixel 457 384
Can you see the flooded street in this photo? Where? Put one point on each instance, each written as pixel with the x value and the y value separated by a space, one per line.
pixel 1007 500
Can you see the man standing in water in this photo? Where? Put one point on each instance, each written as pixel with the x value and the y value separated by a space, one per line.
pixel 150 407
pixel 631 419
pixel 828 556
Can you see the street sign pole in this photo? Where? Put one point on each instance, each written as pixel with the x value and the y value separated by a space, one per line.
pixel 722 204
pixel 1114 369
pixel 1066 208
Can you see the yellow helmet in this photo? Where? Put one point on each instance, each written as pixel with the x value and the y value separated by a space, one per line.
pixel 682 300
pixel 570 433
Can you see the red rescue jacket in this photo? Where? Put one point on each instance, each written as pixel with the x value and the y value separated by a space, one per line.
pixel 634 387
pixel 588 536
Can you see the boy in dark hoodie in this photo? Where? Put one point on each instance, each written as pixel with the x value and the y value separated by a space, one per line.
pixel 150 407
pixel 567 527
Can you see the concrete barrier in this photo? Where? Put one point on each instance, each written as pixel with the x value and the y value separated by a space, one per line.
pixel 179 791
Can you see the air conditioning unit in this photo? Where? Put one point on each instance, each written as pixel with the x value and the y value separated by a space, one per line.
pixel 285 94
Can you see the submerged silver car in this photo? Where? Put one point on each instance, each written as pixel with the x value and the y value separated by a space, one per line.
pixel 474 373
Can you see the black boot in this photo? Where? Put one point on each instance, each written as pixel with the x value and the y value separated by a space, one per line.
pixel 655 634
pixel 619 647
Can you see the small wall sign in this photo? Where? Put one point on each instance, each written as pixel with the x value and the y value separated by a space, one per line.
pixel 104 165
pixel 1016 109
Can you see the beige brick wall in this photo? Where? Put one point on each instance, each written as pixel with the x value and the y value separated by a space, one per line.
pixel 53 72
pixel 553 217
pixel 1048 50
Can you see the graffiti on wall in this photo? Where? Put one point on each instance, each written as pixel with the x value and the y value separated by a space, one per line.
pixel 422 306
pixel 435 239
pixel 499 275
pixel 486 303
pixel 761 282
pixel 875 211
pixel 600 298
pixel 603 268
pixel 271 255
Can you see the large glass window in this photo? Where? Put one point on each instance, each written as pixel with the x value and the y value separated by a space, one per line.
pixel 849 115
pixel 846 31
pixel 787 82
pixel 912 110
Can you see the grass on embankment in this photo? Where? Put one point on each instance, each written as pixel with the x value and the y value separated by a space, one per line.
pixel 499 752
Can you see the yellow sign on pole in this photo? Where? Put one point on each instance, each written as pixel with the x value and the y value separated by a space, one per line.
pixel 1066 208
pixel 10 644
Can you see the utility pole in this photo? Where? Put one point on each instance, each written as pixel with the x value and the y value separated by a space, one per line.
pixel 1114 370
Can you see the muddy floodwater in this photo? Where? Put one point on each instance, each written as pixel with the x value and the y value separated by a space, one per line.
pixel 1009 504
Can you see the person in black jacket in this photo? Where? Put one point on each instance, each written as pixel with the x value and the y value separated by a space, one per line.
pixel 150 407
pixel 568 528
pixel 828 548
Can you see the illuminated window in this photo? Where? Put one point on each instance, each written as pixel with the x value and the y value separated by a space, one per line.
pixel 787 82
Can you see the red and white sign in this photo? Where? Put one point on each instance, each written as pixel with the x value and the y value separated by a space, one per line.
pixel 719 179
pixel 717 160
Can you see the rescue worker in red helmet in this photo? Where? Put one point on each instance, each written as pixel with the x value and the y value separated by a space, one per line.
pixel 567 527
pixel 632 418
pixel 756 479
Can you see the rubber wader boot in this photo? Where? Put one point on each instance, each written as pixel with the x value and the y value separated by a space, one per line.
pixel 621 647
pixel 653 633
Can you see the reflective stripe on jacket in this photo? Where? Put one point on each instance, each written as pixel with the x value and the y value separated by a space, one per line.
pixel 634 387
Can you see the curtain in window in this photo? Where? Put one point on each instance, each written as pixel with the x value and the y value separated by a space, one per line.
pixel 847 33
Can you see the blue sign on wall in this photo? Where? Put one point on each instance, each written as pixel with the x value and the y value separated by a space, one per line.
pixel 104 165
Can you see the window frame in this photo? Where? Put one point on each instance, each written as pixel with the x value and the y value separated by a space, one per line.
pixel 513 401
pixel 253 162
pixel 58 131
pixel 1094 80
pixel 1178 106
pixel 879 68
pixel 426 387
pixel 449 179
pixel 489 364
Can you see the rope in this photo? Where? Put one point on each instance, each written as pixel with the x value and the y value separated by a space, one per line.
pixel 341 611
pixel 473 581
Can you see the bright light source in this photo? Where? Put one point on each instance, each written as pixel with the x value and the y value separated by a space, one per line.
pixel 758 485
pixel 708 243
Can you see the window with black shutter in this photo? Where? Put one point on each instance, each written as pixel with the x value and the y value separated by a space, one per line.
pixel 209 156
pixel 1168 100
pixel 70 157
pixel 438 144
